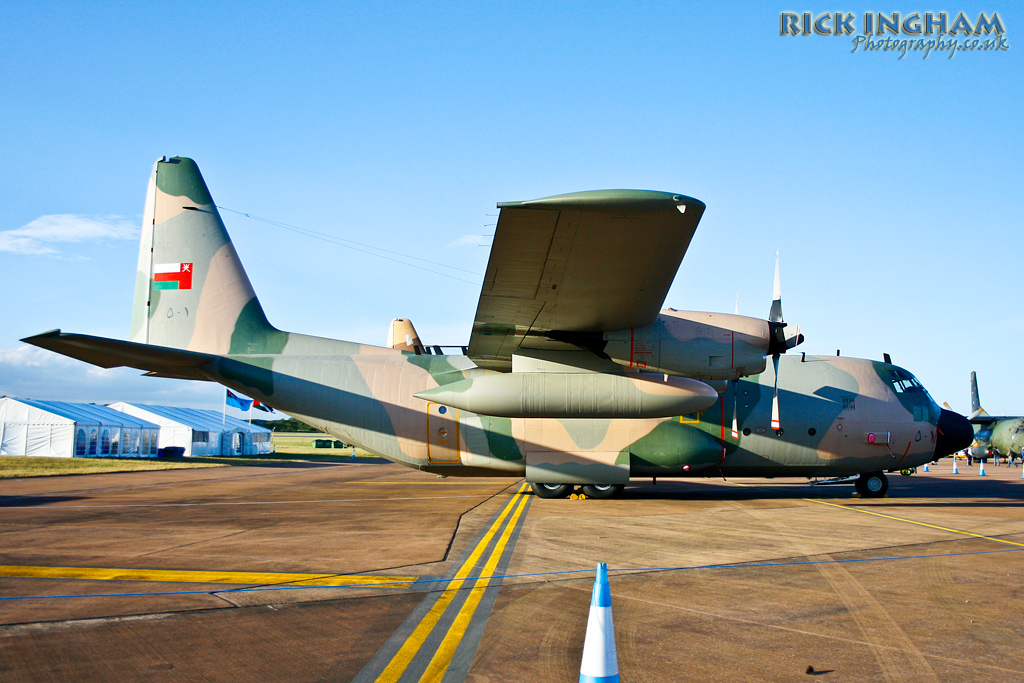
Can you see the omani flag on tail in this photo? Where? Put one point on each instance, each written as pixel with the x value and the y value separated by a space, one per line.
pixel 172 276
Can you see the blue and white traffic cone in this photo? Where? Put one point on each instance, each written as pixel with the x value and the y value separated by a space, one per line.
pixel 955 470
pixel 926 467
pixel 981 468
pixel 600 664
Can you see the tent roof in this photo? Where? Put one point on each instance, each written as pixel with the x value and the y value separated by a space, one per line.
pixel 87 413
pixel 202 420
pixel 239 424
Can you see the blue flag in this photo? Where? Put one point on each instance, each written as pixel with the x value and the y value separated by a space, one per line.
pixel 238 402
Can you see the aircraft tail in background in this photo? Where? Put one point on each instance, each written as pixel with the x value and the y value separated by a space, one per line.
pixel 976 410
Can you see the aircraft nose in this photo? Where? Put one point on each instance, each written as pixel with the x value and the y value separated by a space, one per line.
pixel 954 434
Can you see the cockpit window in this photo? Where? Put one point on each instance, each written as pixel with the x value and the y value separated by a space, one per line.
pixel 902 381
pixel 913 395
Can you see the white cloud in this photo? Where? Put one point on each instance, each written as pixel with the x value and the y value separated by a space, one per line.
pixel 36 237
pixel 469 241
pixel 33 357
pixel 31 372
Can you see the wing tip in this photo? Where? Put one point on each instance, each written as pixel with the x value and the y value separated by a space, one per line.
pixel 49 334
pixel 637 200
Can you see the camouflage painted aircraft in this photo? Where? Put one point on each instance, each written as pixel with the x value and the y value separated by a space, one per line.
pixel 573 376
pixel 993 436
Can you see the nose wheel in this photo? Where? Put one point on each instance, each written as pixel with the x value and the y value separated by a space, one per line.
pixel 872 484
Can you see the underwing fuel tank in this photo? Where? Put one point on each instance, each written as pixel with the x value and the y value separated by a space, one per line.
pixel 569 395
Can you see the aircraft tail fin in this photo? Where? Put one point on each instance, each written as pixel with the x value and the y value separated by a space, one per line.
pixel 191 291
pixel 976 409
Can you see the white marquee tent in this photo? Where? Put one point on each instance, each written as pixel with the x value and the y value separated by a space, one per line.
pixel 65 430
pixel 201 432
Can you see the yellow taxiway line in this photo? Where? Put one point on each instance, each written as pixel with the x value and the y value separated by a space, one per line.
pixel 443 657
pixel 400 662
pixel 184 576
pixel 914 521
pixel 897 519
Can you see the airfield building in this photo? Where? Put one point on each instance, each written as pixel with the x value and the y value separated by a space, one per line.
pixel 65 430
pixel 201 432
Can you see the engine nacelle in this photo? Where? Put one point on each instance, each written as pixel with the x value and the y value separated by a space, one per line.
pixel 713 346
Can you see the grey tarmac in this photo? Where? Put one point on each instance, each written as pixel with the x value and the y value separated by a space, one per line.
pixel 749 579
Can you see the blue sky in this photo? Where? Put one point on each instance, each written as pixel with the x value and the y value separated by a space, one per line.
pixel 892 187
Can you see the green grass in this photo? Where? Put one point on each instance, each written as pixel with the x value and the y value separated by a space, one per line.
pixel 301 443
pixel 12 466
pixel 288 446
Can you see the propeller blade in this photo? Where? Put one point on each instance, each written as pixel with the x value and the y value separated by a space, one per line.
pixel 781 337
pixel 775 315
pixel 735 400
pixel 776 422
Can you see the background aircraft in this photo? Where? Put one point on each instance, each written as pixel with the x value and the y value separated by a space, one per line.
pixel 993 436
pixel 572 375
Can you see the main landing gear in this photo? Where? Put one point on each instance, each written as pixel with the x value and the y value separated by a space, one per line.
pixel 552 490
pixel 589 490
pixel 872 485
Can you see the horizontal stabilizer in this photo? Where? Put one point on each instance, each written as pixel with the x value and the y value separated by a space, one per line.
pixel 159 361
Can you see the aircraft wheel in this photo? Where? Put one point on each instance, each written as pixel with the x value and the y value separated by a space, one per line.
pixel 551 490
pixel 602 490
pixel 872 485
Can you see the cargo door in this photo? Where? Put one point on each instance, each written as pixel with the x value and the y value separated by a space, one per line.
pixel 442 434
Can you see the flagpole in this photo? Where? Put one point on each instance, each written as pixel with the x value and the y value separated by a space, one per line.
pixel 224 408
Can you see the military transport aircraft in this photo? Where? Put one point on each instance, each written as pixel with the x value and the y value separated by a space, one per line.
pixel 993 436
pixel 572 375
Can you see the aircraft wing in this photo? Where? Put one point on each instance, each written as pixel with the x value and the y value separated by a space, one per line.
pixel 573 264
pixel 111 353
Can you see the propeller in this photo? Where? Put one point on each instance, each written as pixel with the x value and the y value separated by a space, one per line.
pixel 781 338
pixel 735 400
pixel 735 386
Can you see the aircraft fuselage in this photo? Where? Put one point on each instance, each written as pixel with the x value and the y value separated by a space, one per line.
pixel 841 416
